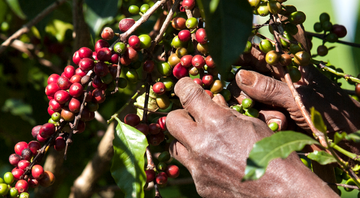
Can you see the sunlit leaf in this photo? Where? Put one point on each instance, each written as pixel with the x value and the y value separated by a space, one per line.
pixel 354 136
pixel 317 120
pixel 128 162
pixel 228 28
pixel 15 7
pixel 339 136
pixel 322 157
pixel 58 29
pixel 280 144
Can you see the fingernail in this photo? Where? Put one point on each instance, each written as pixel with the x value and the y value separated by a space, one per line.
pixel 247 78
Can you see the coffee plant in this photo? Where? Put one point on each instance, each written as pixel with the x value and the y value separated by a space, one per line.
pixel 132 65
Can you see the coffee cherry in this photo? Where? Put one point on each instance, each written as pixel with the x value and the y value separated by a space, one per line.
pixel 80 72
pixel 274 6
pixel 164 68
pixel 188 4
pixel 198 81
pixel 133 9
pixel 202 48
pixel 297 17
pixel 13 192
pixel 132 119
pixel 154 128
pixel 169 83
pixel 62 96
pixel 132 76
pixel 186 60
pixel 184 35
pixel 53 78
pixel 74 105
pixel 75 79
pixel 107 33
pixel 67 115
pixel 263 9
pixel 40 138
pixel 177 43
pixel 145 41
pixel 318 27
pixel 23 164
pixel 162 101
pixel 254 3
pixel 97 83
pixel 9 177
pixel 17 173
pixel 150 175
pixel 24 195
pixel 51 89
pixel 294 73
pixel 85 52
pixel 86 64
pixel 247 103
pixel 144 128
pixel 273 126
pixel 161 179
pixel 252 112
pixel 180 71
pixel 294 48
pixel 63 83
pixel 101 69
pixel 55 105
pixel 134 42
pixel 3 189
pixel 120 47
pixel 272 57
pixel 207 80
pixel 162 123
pixel 198 61
pixel 144 8
pixel 148 66
pixel 76 90
pixel 324 17
pixel 14 159
pixel 302 58
pixel 126 24
pixel 19 147
pixel 326 25
pixel 285 59
pixel 99 96
pixel 33 183
pixel 48 179
pixel 37 171
pixel 159 88
pixel 322 50
pixel 34 146
pixel 201 36
pixel 339 30
pixel 103 54
pixel 35 130
pixel 172 171
pixel 331 37
pixel 216 87
pixel 266 46
pixel 357 90
pixel 191 23
pixel 26 154
pixel 208 92
pixel 178 23
pixel 101 44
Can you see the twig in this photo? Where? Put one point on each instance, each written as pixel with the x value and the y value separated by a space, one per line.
pixel 150 162
pixel 147 95
pixel 143 18
pixel 343 185
pixel 31 23
pixel 157 192
pixel 346 76
pixel 322 36
pixel 118 70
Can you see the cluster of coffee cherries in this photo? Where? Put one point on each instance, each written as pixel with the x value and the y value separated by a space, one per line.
pixel 26 172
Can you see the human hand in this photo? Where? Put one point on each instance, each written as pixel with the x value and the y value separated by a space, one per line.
pixel 214 142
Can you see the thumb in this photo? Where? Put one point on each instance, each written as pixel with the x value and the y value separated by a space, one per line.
pixel 265 89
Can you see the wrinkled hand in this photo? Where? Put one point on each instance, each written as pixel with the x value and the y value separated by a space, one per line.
pixel 214 142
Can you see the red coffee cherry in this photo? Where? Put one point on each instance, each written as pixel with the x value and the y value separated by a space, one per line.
pixel 55 105
pixel 134 42
pixel 186 60
pixel 47 130
pixel 339 30
pixel 178 23
pixel 80 72
pixel 180 71
pixel 198 81
pixel 34 146
pixel 107 33
pixel 76 90
pixel 22 186
pixel 37 171
pixel 159 88
pixel 114 58
pixel 155 140
pixel 103 54
pixel 86 64
pixel 62 96
pixel 63 83
pixel 154 128
pixel 19 147
pixel 188 4
pixel 51 89
pixel 59 144
pixel 26 154
pixel 81 127
pixel 161 179
pixel 144 128
pixel 198 61
pixel 87 115
pixel 53 78
pixel 184 35
pixel 76 58
pixel 74 105
pixel 69 71
pixel 35 130
pixel 97 83
pixel 148 66
pixel 23 164
pixel 209 62
pixel 101 69
pixel 101 44
pixel 207 80
pixel 85 52
pixel 17 172
pixel 98 96
pixel 67 115
pixel 40 139
pixel 150 175
pixel 209 93
pixel 132 119
pixel 14 159
pixel 50 111
pixel 33 183
pixel 200 36
pixel 172 171
pixel 75 79
pixel 162 123
pixel 126 24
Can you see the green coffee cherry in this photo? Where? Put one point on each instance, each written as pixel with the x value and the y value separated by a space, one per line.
pixel 8 178
pixel 164 156
pixel 247 103
pixel 273 126
pixel 252 112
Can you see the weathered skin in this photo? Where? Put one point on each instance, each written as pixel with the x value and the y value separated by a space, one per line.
pixel 214 142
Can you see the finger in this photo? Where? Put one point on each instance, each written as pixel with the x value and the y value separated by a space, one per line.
pixel 180 125
pixel 180 153
pixel 265 89
pixel 269 116
pixel 195 100
pixel 220 100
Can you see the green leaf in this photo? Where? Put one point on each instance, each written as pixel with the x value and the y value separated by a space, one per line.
pixel 15 7
pixel 98 14
pixel 339 136
pixel 280 144
pixel 317 119
pixel 228 28
pixel 354 137
pixel 322 157
pixel 128 162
